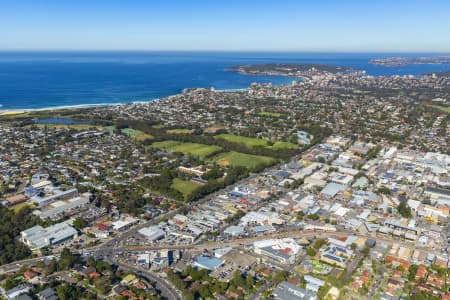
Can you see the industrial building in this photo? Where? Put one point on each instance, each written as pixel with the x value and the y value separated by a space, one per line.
pixel 38 237
pixel 287 291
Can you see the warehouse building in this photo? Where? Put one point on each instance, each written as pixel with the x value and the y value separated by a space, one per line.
pixel 38 237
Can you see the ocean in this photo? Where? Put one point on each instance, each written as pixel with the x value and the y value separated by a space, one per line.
pixel 37 80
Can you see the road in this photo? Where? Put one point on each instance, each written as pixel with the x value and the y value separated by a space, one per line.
pixel 290 234
pixel 271 283
pixel 166 288
pixel 109 249
pixel 376 284
pixel 15 266
pixel 353 264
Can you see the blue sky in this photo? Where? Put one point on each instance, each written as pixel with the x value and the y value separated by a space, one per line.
pixel 239 25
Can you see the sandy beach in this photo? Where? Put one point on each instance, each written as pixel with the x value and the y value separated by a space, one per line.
pixel 11 112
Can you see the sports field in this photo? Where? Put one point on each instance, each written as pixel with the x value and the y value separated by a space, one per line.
pixel 179 131
pixel 270 114
pixel 442 108
pixel 255 142
pixel 137 134
pixel 70 126
pixel 186 187
pixel 199 150
pixel 233 158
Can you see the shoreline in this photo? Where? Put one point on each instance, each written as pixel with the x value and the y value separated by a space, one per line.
pixel 13 111
pixel 16 111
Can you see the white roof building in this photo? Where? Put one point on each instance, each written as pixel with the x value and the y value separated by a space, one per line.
pixel 39 237
pixel 124 223
pixel 153 233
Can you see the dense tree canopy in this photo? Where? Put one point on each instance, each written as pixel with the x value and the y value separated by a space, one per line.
pixel 11 224
pixel 404 210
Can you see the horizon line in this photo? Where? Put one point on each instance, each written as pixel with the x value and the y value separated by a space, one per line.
pixel 230 51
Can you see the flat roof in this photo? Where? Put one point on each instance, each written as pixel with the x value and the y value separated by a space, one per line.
pixel 287 291
pixel 209 263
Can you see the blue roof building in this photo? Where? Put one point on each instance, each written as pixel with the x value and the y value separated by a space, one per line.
pixel 208 263
pixel 332 189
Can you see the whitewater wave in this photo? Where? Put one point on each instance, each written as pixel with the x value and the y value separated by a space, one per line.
pixel 90 105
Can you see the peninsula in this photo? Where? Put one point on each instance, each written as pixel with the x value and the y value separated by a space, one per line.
pixel 404 61
pixel 291 69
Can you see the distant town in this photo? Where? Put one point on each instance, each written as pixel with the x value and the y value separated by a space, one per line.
pixel 403 61
pixel 335 186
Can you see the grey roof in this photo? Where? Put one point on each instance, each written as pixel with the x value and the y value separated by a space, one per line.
pixel 23 297
pixel 262 228
pixel 41 237
pixel 76 202
pixel 19 290
pixel 59 195
pixel 282 174
pixel 234 230
pixel 48 294
pixel 438 191
pixel 332 189
pixel 275 253
pixel 287 291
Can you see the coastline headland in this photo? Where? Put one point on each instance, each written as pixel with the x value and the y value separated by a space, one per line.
pixel 404 61
pixel 292 69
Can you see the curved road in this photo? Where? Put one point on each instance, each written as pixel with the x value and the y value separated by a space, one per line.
pixel 167 289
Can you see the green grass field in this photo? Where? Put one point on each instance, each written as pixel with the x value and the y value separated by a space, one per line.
pixel 136 134
pixel 270 114
pixel 179 131
pixel 199 150
pixel 70 126
pixel 240 159
pixel 442 108
pixel 110 129
pixel 283 145
pixel 255 142
pixel 158 126
pixel 19 206
pixel 184 186
pixel 248 141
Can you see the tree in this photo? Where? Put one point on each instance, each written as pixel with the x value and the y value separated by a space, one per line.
pixel 238 280
pixel 68 292
pixel 422 295
pixel 80 223
pixel 412 272
pixel 250 281
pixel 103 284
pixel 52 267
pixel 311 252
pixel 67 260
pixel 214 173
pixel 313 217
pixel 9 283
pixel 384 190
pixel 204 292
pixel 11 224
pixel 404 210
pixel 281 276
